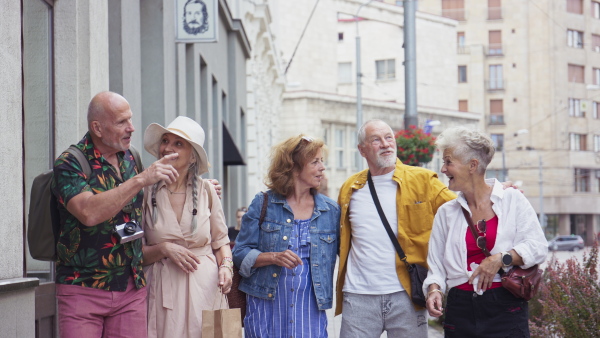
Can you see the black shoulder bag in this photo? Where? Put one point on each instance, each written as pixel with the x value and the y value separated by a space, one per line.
pixel 417 272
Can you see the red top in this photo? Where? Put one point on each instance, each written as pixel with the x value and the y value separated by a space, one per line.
pixel 474 253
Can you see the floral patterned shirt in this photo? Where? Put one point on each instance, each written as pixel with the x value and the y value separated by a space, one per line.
pixel 92 256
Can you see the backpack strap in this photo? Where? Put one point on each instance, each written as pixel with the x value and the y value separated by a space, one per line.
pixel 81 159
pixel 137 158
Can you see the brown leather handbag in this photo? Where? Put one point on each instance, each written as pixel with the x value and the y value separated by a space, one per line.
pixel 522 283
pixel 237 298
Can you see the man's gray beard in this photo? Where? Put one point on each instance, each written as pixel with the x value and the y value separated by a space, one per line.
pixel 194 30
pixel 386 162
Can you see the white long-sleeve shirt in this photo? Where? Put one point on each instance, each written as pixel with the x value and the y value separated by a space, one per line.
pixel 518 229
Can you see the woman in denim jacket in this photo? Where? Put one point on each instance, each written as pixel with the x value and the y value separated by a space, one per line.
pixel 287 261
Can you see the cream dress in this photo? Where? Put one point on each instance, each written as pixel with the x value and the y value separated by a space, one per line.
pixel 175 298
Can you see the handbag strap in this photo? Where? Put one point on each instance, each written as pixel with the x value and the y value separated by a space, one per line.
pixel 473 230
pixel 384 220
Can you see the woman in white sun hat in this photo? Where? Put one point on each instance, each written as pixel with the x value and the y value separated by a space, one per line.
pixel 186 236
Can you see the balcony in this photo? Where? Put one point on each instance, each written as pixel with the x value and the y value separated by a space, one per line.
pixel 455 13
pixel 463 50
pixel 496 120
pixel 495 49
pixel 495 85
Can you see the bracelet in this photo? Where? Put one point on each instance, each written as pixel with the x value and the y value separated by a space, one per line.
pixel 227 261
pixel 435 290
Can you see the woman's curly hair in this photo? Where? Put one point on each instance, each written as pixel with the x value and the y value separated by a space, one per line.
pixel 290 157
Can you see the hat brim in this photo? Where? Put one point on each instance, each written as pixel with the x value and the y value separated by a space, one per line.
pixel 153 136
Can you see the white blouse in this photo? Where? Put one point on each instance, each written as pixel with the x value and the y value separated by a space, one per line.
pixel 518 229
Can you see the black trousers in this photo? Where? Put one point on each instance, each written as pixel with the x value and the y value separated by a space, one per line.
pixel 496 313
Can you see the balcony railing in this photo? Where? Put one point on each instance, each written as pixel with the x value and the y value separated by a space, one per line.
pixel 495 49
pixel 494 13
pixel 496 119
pixel 455 13
pixel 495 84
pixel 463 50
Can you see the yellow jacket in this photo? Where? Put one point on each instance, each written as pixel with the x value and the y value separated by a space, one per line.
pixel 420 193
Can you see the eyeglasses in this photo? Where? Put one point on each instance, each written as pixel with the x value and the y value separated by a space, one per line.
pixel 481 240
pixel 308 139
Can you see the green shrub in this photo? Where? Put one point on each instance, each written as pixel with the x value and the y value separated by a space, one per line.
pixel 568 302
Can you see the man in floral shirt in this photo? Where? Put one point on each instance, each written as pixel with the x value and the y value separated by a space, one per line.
pixel 99 281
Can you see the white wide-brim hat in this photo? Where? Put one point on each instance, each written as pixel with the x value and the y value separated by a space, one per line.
pixel 184 127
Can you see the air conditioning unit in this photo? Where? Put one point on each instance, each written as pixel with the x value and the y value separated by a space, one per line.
pixel 583 105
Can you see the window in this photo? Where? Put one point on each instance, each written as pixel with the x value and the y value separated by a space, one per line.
pixel 595 109
pixel 575 6
pixel 463 105
pixel 462 74
pixel 578 142
pixel 460 43
pixel 496 79
pixel 340 144
pixel 575 108
pixel 341 36
pixel 495 43
pixel 498 140
pixel 453 9
pixel 460 39
pixel 582 180
pixel 345 72
pixel 596 76
pixel 574 38
pixel 597 143
pixel 494 9
pixel 385 69
pixel 496 112
pixel 596 43
pixel 576 73
pixel 596 9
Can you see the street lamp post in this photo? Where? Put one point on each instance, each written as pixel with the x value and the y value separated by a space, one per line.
pixel 359 113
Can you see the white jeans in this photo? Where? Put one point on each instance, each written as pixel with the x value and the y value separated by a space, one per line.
pixel 365 316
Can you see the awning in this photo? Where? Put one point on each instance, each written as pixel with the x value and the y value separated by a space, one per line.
pixel 231 153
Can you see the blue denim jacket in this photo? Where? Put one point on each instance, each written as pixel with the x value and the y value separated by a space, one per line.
pixel 273 235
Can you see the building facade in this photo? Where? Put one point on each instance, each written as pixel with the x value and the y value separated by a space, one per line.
pixel 319 57
pixel 56 55
pixel 533 70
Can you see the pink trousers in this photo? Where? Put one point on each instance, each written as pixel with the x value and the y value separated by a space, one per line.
pixel 86 312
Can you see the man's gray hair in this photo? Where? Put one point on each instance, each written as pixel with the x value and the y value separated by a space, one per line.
pixel 467 144
pixel 362 131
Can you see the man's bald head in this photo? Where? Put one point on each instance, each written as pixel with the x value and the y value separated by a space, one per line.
pixel 103 105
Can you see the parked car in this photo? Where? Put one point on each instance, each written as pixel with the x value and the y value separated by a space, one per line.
pixel 566 242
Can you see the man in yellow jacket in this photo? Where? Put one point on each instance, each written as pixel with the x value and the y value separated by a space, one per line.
pixel 373 285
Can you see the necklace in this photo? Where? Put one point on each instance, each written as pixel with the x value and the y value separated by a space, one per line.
pixel 174 192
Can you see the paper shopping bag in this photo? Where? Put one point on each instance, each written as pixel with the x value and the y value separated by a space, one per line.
pixel 223 323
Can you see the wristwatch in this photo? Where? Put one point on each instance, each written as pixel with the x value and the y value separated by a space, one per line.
pixel 506 258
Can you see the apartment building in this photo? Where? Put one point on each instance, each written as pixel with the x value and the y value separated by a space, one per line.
pixel 318 50
pixel 532 68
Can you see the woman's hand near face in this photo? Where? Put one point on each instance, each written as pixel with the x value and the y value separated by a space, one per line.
pixel 182 257
pixel 486 271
